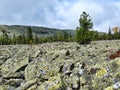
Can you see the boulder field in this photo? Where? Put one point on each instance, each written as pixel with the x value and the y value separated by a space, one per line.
pixel 61 66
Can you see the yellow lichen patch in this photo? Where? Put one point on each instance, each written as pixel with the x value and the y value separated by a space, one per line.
pixel 101 72
pixel 52 72
pixel 118 63
pixel 2 87
pixel 54 83
pixel 82 80
pixel 57 83
pixel 54 87
pixel 109 88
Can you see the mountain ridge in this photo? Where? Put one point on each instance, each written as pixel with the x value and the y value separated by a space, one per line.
pixel 40 30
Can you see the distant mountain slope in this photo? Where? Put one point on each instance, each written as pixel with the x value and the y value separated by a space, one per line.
pixel 41 31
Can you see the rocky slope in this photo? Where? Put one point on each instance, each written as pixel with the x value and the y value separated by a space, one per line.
pixel 60 66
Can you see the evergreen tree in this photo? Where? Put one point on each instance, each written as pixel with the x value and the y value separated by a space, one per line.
pixel 60 36
pixel 54 37
pixel 5 39
pixel 24 39
pixel 36 39
pixel 119 34
pixel 82 32
pixel 109 34
pixel 104 36
pixel 94 35
pixel 67 36
pixel 19 39
pixel 14 39
pixel 1 40
pixel 29 36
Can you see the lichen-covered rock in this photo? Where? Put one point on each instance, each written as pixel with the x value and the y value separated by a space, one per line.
pixel 109 88
pixel 14 82
pixel 54 83
pixel 101 72
pixel 116 85
pixel 36 53
pixel 60 66
pixel 12 75
pixel 3 87
pixel 40 69
pixel 115 55
pixel 6 87
pixel 2 80
pixel 2 59
pixel 28 84
pixel 14 64
pixel 33 87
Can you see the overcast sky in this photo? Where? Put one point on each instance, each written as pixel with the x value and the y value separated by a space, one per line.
pixel 62 14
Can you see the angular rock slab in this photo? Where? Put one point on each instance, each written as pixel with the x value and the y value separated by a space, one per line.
pixel 14 64
pixel 40 69
pixel 54 83
pixel 28 84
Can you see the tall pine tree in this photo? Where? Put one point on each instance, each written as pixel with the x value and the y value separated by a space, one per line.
pixel 109 34
pixel 82 32
pixel 29 36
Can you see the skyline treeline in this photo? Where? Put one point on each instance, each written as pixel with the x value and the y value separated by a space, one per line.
pixel 28 38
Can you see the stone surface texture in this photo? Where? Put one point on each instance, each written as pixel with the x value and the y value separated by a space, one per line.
pixel 61 66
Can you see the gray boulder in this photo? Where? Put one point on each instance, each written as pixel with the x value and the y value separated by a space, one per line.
pixel 14 64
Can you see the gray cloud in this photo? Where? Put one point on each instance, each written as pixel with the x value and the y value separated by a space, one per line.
pixel 60 13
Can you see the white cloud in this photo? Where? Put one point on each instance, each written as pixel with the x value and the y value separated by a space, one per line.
pixel 60 13
pixel 103 14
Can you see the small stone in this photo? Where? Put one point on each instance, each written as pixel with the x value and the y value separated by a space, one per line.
pixel 55 57
pixel 72 66
pixel 101 72
pixel 81 71
pixel 12 75
pixel 2 81
pixel 116 85
pixel 33 87
pixel 69 88
pixel 67 53
pixel 109 88
pixel 83 65
pixel 36 54
pixel 28 84
pixel 77 47
pixel 14 82
pixel 94 70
